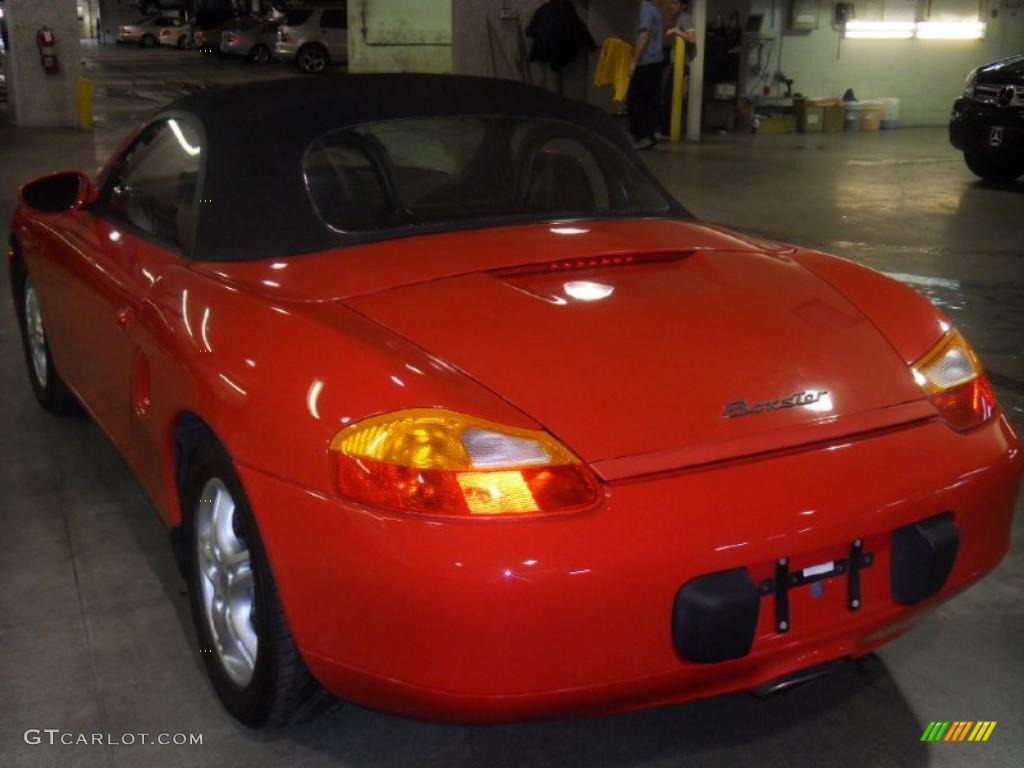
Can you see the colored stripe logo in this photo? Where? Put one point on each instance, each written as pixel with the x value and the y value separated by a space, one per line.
pixel 959 730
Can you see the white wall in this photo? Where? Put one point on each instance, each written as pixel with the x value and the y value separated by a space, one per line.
pixel 926 75
pixel 400 35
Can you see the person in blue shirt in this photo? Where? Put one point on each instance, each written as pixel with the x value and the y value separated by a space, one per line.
pixel 645 70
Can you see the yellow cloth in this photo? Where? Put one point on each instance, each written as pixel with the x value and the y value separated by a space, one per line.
pixel 613 66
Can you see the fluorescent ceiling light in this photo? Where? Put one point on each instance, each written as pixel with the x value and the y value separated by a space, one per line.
pixel 950 30
pixel 880 30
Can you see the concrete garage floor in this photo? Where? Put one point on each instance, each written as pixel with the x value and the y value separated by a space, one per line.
pixel 95 628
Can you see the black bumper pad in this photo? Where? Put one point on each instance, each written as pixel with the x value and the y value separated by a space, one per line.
pixel 715 616
pixel 922 557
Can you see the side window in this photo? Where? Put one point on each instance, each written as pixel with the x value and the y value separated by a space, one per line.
pixel 296 18
pixel 334 18
pixel 154 187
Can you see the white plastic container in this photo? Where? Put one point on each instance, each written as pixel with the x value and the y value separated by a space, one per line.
pixel 851 115
pixel 891 117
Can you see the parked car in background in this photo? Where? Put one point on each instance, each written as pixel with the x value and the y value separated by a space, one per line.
pixel 314 37
pixel 252 38
pixel 176 36
pixel 149 32
pixel 987 124
pixel 206 35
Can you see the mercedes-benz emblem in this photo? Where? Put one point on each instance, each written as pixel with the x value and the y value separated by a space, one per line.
pixel 995 136
pixel 1006 96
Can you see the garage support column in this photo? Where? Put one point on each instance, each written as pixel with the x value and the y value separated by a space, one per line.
pixel 695 98
pixel 35 97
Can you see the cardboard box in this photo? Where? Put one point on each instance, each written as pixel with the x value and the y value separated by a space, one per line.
pixel 776 124
pixel 810 118
pixel 832 118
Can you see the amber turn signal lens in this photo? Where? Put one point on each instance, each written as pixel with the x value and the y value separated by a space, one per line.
pixel 954 379
pixel 440 463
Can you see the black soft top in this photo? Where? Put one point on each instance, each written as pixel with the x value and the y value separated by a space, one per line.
pixel 255 204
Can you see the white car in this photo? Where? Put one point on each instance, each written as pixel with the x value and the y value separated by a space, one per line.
pixel 162 30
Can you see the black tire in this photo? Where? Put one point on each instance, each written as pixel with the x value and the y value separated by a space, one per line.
pixel 992 168
pixel 312 59
pixel 147 41
pixel 50 390
pixel 281 690
pixel 260 54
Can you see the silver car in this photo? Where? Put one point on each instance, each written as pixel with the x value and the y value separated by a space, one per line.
pixel 153 31
pixel 252 38
pixel 314 36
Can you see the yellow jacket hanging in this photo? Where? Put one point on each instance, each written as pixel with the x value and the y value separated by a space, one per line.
pixel 613 66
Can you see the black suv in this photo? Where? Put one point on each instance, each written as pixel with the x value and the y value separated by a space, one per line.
pixel 988 120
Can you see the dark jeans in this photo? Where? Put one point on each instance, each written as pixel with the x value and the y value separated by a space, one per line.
pixel 642 101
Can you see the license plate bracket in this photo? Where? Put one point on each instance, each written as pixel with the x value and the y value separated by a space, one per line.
pixel 785 580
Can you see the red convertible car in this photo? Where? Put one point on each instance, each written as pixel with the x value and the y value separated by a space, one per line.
pixel 454 412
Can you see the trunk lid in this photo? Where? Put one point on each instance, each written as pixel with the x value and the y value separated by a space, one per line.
pixel 641 368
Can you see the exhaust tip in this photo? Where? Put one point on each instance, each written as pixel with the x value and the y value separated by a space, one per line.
pixel 800 677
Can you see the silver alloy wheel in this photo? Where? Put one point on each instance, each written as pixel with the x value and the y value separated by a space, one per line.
pixel 226 581
pixel 36 334
pixel 312 60
pixel 261 54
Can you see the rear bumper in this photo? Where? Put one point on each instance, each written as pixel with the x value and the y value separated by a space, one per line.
pixel 506 620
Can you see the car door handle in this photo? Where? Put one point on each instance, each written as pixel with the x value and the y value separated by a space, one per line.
pixel 125 318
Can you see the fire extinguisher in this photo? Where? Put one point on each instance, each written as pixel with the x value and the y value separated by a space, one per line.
pixel 46 42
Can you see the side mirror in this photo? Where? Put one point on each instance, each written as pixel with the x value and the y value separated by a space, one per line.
pixel 57 192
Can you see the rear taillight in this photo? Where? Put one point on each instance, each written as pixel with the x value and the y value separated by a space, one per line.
pixel 955 381
pixel 444 464
pixel 234 39
pixel 284 37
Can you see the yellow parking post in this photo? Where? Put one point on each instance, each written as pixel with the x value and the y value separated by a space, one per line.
pixel 678 90
pixel 83 90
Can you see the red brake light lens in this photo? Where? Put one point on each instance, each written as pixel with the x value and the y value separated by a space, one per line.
pixel 591 262
pixel 968 405
pixel 440 463
pixel 955 381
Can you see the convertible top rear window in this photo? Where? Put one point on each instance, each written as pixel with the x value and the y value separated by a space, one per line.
pixel 454 169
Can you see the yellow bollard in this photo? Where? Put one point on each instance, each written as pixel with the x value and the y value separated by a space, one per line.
pixel 83 90
pixel 678 90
